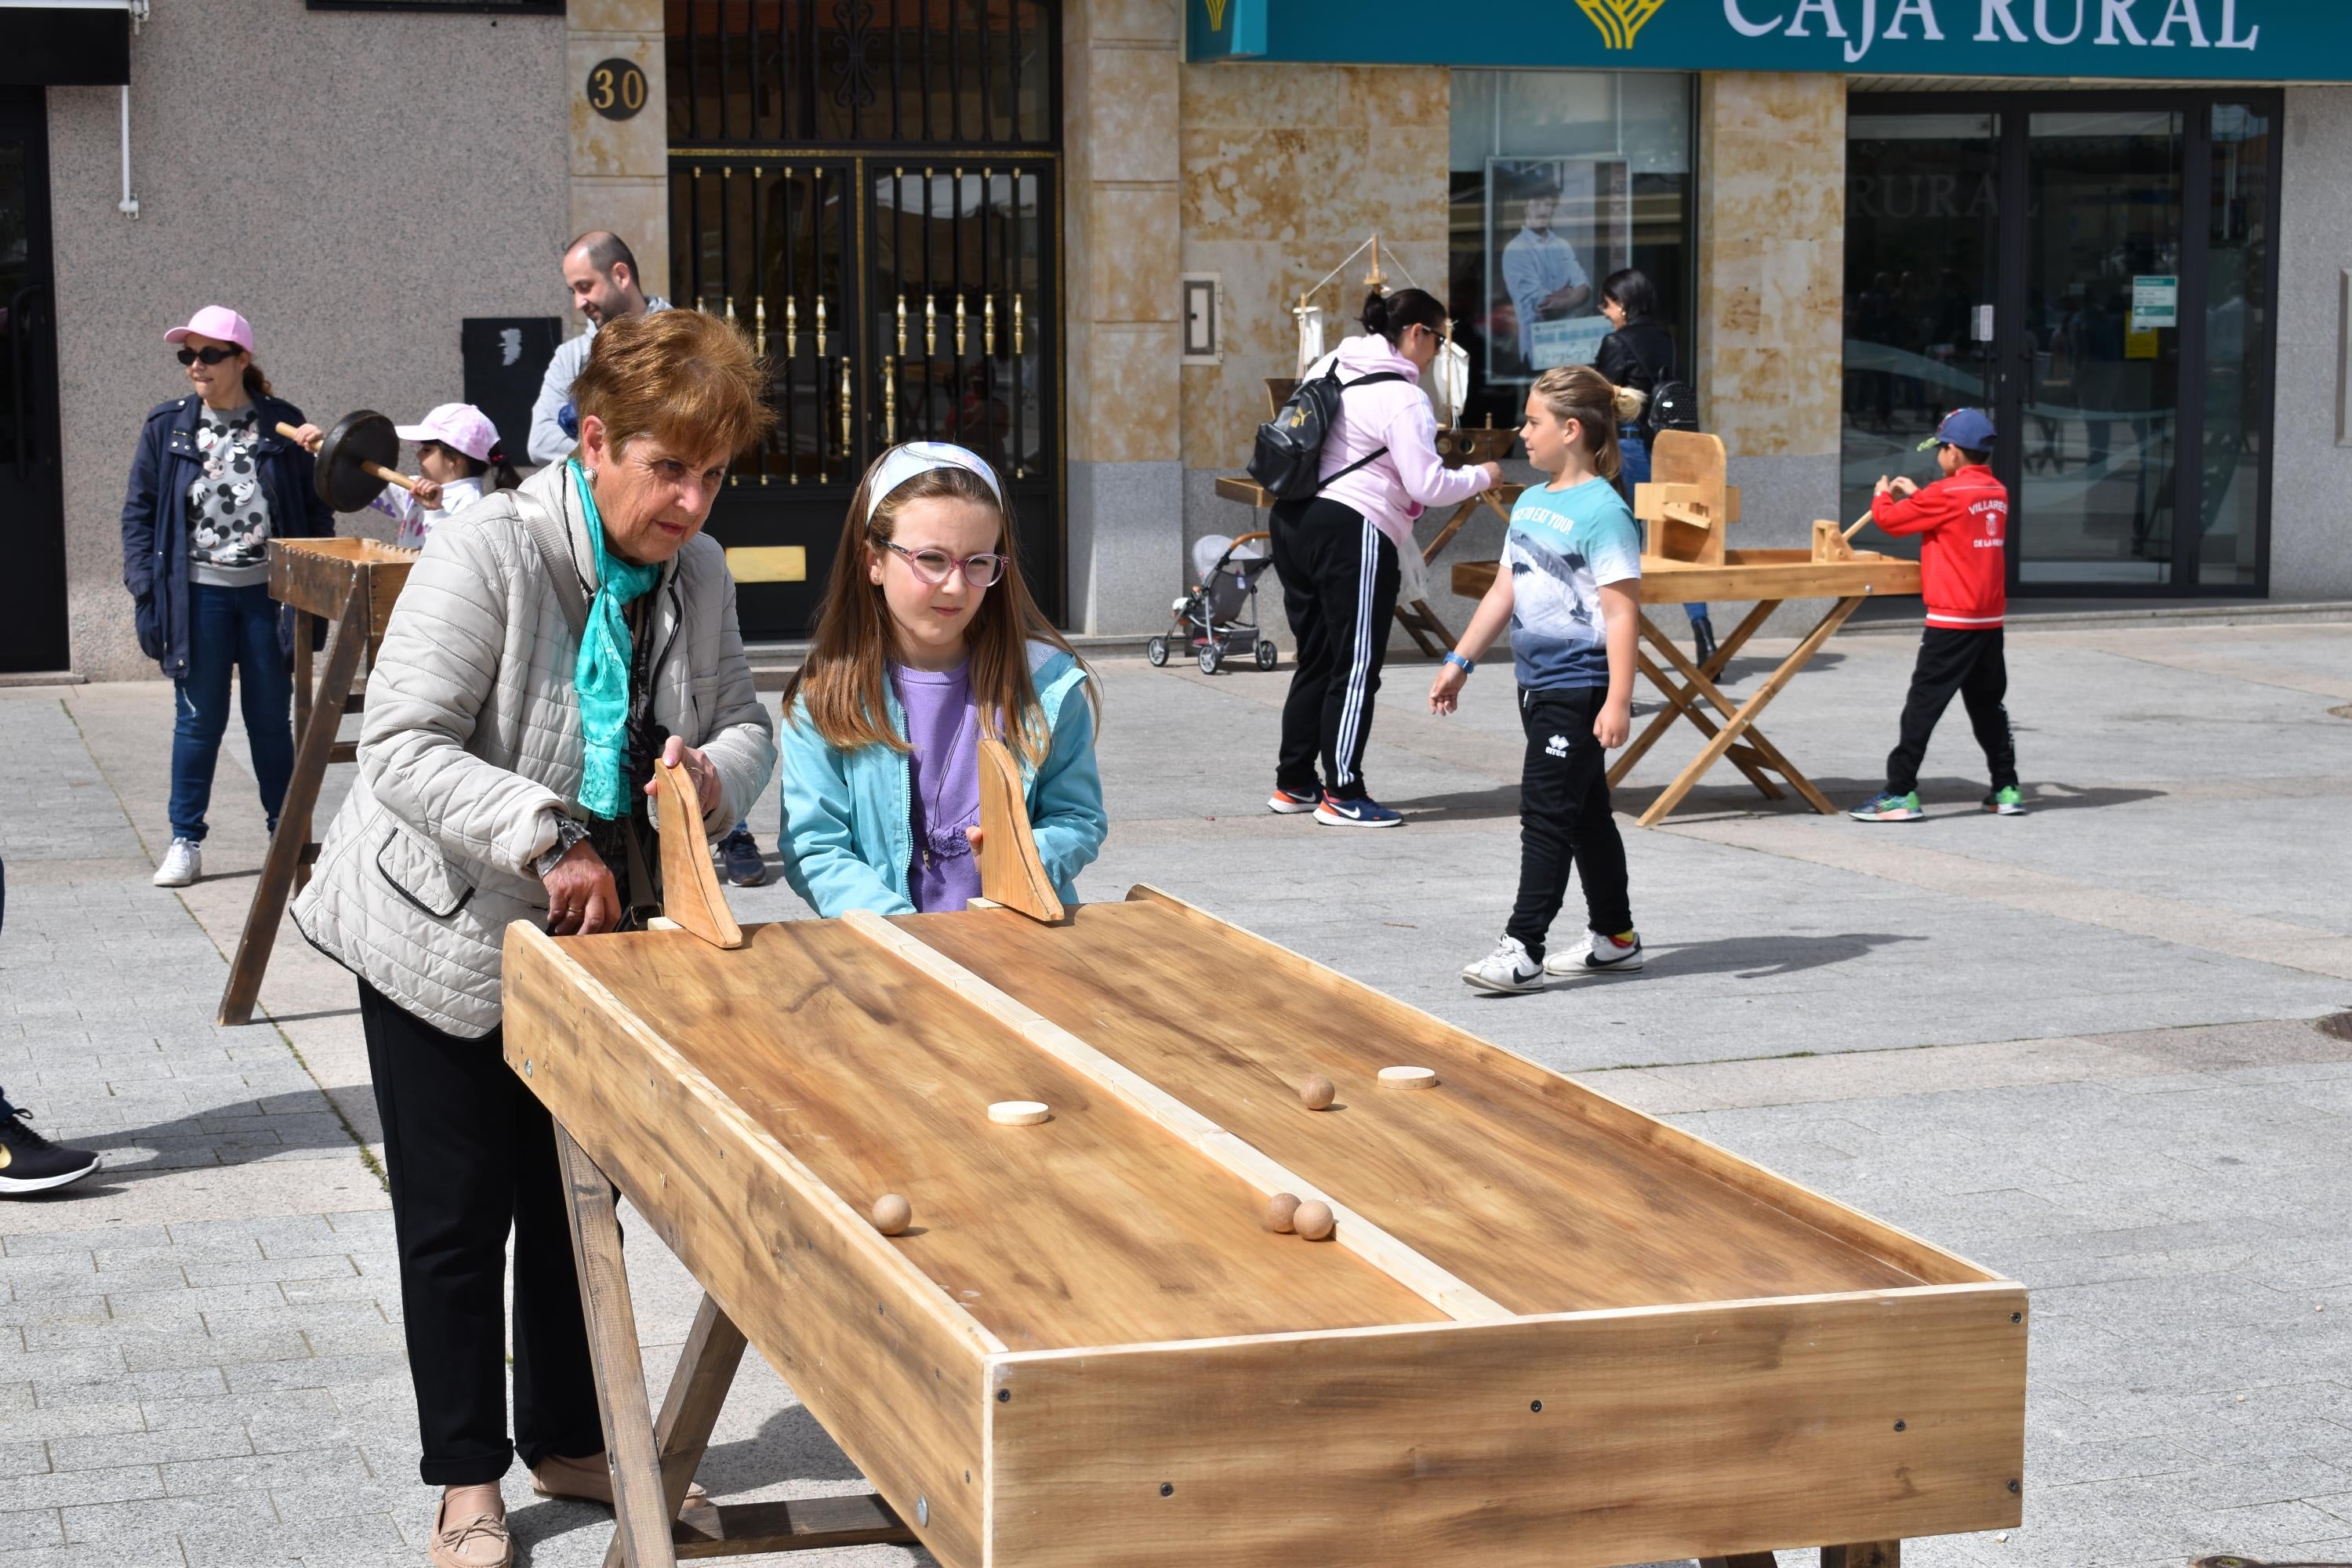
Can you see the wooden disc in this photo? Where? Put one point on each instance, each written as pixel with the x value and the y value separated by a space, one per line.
pixel 1312 1221
pixel 892 1213
pixel 1279 1209
pixel 1317 1092
pixel 1408 1078
pixel 1019 1112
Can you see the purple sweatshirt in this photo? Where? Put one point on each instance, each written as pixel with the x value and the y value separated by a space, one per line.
pixel 943 727
pixel 1394 488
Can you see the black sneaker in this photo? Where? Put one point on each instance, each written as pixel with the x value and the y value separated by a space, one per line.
pixel 30 1162
pixel 738 855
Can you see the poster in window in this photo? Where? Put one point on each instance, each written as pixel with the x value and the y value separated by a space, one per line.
pixel 1555 228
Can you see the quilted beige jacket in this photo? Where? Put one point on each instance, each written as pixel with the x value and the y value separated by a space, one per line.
pixel 471 744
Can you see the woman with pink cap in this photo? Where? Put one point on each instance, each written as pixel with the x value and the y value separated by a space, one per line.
pixel 212 484
pixel 459 452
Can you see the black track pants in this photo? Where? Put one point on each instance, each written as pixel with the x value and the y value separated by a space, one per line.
pixel 1339 577
pixel 1968 663
pixel 1565 820
pixel 471 1153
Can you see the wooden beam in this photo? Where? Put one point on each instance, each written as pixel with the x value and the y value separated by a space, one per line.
pixel 696 1393
pixel 1409 1269
pixel 1010 872
pixel 801 1524
pixel 690 891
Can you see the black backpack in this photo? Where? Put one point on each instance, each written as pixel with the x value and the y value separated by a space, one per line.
pixel 1289 454
pixel 1673 406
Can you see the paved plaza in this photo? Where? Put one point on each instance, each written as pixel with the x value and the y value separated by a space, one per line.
pixel 2090 1049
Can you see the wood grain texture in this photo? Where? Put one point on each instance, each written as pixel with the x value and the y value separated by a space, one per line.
pixel 801 1524
pixel 1010 874
pixel 1095 1228
pixel 690 892
pixel 1673 1433
pixel 1868 1554
pixel 1745 574
pixel 1537 1192
pixel 697 1389
pixel 312 575
pixel 878 1354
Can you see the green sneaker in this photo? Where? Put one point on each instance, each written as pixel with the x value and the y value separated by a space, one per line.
pixel 1889 808
pixel 2008 802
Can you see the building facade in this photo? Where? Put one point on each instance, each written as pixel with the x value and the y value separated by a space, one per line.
pixel 1076 235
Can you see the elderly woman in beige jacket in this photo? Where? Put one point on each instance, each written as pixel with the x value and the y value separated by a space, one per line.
pixel 551 641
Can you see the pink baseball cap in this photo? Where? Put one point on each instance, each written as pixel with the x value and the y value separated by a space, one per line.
pixel 216 321
pixel 460 426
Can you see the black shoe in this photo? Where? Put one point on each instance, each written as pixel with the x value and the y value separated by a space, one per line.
pixel 738 855
pixel 1702 639
pixel 30 1162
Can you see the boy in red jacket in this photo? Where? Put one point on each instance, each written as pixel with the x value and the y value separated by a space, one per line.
pixel 1964 577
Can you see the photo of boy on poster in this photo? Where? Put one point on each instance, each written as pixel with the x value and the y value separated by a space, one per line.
pixel 1554 228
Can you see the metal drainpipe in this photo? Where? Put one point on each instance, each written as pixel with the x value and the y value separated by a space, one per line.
pixel 128 205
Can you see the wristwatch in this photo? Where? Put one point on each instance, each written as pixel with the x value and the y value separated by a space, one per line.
pixel 1469 667
pixel 567 833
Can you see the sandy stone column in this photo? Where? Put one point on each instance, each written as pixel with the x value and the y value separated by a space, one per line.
pixel 620 168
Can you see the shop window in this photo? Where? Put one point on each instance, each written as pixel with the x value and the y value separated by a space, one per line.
pixel 1558 180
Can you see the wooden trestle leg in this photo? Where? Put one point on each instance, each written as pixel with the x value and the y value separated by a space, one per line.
pixel 652 1462
pixel 1869 1554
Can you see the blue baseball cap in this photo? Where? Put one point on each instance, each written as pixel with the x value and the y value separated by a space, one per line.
pixel 1964 428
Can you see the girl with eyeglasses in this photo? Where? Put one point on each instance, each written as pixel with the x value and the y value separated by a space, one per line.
pixel 212 484
pixel 928 640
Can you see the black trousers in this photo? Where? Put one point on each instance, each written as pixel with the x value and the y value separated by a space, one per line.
pixel 1339 577
pixel 1565 820
pixel 471 1155
pixel 1968 663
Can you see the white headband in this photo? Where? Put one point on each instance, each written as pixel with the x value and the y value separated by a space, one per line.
pixel 901 464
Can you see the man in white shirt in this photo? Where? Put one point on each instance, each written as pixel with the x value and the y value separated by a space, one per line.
pixel 1540 270
pixel 602 274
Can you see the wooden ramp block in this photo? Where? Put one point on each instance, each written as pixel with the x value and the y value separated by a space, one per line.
pixel 1010 872
pixel 690 894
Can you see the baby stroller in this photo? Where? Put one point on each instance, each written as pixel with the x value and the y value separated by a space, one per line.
pixel 1209 618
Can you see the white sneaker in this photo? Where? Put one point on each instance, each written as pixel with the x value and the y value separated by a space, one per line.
pixel 1601 955
pixel 184 862
pixel 1508 970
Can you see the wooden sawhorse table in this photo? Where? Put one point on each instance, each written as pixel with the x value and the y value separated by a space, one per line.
pixel 350 583
pixel 1770 577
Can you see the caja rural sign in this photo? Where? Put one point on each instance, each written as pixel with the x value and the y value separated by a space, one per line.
pixel 2207 40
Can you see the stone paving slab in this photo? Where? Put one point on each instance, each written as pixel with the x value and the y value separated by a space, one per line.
pixel 2079 1047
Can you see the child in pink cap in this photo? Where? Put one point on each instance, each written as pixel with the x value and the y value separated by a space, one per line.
pixel 459 452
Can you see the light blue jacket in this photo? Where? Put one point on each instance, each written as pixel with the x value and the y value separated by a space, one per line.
pixel 848 823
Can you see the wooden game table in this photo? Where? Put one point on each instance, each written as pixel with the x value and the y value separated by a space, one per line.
pixel 1547 1329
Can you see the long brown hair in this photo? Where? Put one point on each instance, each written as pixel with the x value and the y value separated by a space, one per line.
pixel 1580 392
pixel 843 680
pixel 256 386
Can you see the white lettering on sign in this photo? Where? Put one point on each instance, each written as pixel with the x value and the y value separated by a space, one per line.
pixel 1924 11
pixel 2230 39
pixel 1855 23
pixel 2115 12
pixel 2041 21
pixel 1826 11
pixel 1997 12
pixel 1745 27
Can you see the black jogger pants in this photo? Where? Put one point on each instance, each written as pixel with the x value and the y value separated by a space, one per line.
pixel 1565 820
pixel 1972 664
pixel 471 1153
pixel 1340 577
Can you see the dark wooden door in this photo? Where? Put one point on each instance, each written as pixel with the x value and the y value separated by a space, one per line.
pixel 32 495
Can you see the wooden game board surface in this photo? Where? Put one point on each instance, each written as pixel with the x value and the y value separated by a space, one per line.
pixel 1538 1194
pixel 1096 1228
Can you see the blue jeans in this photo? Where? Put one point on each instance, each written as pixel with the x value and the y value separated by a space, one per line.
pixel 1634 453
pixel 231 629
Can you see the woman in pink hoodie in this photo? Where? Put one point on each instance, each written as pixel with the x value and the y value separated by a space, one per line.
pixel 1337 553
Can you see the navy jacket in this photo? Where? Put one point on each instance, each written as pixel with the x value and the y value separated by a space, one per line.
pixel 155 518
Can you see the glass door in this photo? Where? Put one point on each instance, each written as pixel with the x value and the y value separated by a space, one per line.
pixel 2099 443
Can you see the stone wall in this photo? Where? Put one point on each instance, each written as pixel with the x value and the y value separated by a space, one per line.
pixel 2311 517
pixel 620 168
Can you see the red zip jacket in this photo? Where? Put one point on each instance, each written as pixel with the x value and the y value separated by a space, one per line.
pixel 1964 556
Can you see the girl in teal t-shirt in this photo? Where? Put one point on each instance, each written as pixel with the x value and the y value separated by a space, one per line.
pixel 1565 588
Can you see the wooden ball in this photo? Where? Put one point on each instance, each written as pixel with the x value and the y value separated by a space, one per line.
pixel 1312 1221
pixel 1317 1092
pixel 1278 1210
pixel 1408 1078
pixel 892 1213
pixel 1019 1112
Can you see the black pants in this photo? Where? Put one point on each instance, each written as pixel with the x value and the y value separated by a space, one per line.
pixel 471 1155
pixel 1339 577
pixel 1968 663
pixel 1565 820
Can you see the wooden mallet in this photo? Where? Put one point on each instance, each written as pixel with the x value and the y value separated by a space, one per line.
pixel 354 461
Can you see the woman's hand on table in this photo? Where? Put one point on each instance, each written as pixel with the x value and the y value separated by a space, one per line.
pixel 580 898
pixel 677 753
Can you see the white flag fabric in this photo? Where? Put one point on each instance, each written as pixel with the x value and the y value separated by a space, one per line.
pixel 1310 337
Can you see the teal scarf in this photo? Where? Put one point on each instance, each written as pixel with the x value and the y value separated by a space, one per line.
pixel 601 675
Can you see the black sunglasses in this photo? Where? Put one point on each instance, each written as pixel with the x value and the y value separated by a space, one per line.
pixel 210 356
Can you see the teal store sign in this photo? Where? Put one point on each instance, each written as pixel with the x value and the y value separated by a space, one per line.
pixel 2202 40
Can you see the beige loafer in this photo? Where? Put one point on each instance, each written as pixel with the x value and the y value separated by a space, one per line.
pixel 480 1541
pixel 591 1480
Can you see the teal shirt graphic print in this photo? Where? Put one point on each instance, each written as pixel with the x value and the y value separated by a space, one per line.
pixel 1562 548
